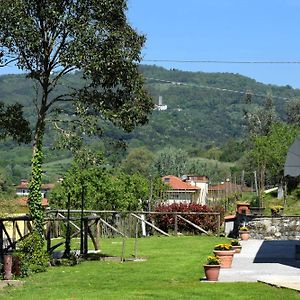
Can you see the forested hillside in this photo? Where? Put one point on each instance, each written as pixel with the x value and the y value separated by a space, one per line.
pixel 201 112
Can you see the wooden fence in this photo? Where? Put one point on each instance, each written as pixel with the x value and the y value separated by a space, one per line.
pixel 91 224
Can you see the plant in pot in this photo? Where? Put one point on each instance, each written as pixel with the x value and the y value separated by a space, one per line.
pixel 225 253
pixel 244 233
pixel 212 268
pixel 236 246
pixel 276 210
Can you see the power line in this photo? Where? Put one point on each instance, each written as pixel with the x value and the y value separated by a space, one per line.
pixel 216 88
pixel 220 61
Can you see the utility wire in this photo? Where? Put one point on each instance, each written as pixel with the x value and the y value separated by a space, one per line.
pixel 216 88
pixel 220 61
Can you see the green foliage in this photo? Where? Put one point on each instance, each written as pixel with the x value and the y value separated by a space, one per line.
pixel 207 117
pixel 293 112
pixel 215 170
pixel 35 197
pixel 213 153
pixel 270 151
pixel 171 161
pixel 244 228
pixel 139 161
pixel 213 260
pixel 103 189
pixel 232 151
pixel 276 208
pixel 12 123
pixel 33 257
pixel 235 242
pixel 223 247
pixel 58 37
pixel 169 273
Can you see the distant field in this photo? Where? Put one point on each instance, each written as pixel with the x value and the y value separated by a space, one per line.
pixel 172 271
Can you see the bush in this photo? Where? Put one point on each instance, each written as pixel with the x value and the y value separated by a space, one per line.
pixel 33 257
pixel 207 222
pixel 223 247
pixel 213 260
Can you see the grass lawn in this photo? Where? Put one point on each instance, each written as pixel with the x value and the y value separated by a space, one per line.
pixel 172 271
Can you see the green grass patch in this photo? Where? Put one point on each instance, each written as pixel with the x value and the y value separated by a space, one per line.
pixel 172 271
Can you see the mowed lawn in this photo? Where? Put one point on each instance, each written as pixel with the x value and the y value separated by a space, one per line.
pixel 172 271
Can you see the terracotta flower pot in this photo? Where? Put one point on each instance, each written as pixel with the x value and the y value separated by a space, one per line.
pixel 225 256
pixel 244 235
pixel 212 272
pixel 237 249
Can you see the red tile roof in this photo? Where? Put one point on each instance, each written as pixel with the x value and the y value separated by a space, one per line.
pixel 177 183
pixel 25 184
pixel 23 201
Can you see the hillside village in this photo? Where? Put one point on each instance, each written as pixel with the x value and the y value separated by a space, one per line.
pixel 126 176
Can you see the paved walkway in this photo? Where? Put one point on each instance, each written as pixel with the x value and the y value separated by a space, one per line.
pixel 272 262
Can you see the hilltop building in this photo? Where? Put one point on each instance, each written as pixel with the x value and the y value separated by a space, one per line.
pixel 160 106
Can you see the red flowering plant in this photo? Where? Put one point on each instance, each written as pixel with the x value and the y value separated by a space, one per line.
pixel 208 222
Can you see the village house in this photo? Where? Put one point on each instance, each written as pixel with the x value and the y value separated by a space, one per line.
pixel 23 188
pixel 189 189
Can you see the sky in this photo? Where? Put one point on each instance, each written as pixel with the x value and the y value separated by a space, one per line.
pixel 222 30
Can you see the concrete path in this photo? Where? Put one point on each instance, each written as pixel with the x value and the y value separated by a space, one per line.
pixel 272 262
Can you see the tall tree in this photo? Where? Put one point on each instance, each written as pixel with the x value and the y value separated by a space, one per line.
pixel 52 38
pixel 293 112
pixel 259 125
pixel 171 161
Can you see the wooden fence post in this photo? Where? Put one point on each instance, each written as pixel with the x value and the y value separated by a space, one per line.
pixel 219 224
pixel 48 235
pixel 85 236
pixel 14 235
pixel 97 234
pixel 175 225
pixel 1 241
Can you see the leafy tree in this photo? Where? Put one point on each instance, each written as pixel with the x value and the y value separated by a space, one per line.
pixel 52 38
pixel 259 122
pixel 259 127
pixel 139 160
pixel 213 153
pixel 269 152
pixel 232 150
pixel 171 161
pixel 12 123
pixel 293 112
pixel 103 189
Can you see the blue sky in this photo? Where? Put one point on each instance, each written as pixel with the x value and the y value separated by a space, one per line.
pixel 235 30
pixel 238 30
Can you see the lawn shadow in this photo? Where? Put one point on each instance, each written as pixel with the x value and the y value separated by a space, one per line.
pixel 281 252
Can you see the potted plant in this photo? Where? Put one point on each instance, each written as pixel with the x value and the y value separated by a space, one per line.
pixel 225 253
pixel 276 210
pixel 244 233
pixel 236 246
pixel 212 268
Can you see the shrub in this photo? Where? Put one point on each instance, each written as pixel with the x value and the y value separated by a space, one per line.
pixel 235 243
pixel 276 208
pixel 223 247
pixel 33 257
pixel 213 260
pixel 207 222
pixel 244 228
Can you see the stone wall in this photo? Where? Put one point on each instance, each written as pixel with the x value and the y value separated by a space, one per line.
pixel 281 228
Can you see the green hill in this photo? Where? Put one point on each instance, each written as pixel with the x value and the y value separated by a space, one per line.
pixel 202 111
